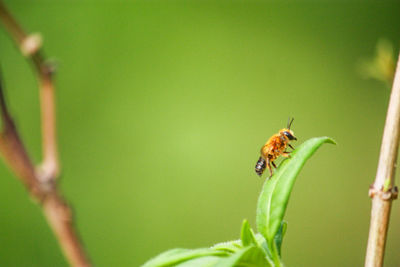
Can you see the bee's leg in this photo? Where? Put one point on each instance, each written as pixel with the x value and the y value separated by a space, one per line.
pixel 290 146
pixel 286 154
pixel 269 166
pixel 273 164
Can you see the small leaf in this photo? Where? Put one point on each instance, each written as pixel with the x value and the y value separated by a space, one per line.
pixel 207 261
pixel 386 185
pixel 262 243
pixel 247 235
pixel 174 256
pixel 230 246
pixel 248 256
pixel 279 236
pixel 276 191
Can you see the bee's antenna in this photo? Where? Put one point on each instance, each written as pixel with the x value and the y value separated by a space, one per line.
pixel 290 123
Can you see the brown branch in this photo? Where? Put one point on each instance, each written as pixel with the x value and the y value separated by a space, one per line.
pixel 14 152
pixel 59 216
pixel 383 191
pixel 41 182
pixel 30 47
pixel 50 165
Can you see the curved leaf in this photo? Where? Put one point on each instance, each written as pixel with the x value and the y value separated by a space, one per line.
pixel 262 243
pixel 230 246
pixel 207 261
pixel 178 255
pixel 247 235
pixel 276 191
pixel 279 236
pixel 248 256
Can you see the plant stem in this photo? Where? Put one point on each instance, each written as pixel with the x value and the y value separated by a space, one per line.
pixel 383 191
pixel 40 182
pixel 275 255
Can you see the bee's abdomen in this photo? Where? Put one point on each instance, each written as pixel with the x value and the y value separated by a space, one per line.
pixel 260 166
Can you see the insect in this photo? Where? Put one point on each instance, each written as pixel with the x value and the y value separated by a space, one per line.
pixel 274 148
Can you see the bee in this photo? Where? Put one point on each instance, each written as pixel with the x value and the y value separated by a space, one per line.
pixel 274 148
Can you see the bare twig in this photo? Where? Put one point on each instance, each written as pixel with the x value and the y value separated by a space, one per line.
pixel 30 47
pixel 383 191
pixel 41 182
pixel 14 151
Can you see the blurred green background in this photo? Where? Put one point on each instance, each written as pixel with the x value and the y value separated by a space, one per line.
pixel 162 109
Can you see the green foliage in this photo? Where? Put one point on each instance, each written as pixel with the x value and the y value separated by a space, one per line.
pixel 175 256
pixel 279 237
pixel 263 249
pixel 247 256
pixel 223 255
pixel 247 234
pixel 276 191
pixel 382 66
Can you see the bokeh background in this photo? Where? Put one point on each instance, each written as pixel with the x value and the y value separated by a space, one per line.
pixel 162 109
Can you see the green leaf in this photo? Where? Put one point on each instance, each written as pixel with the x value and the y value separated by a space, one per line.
pixel 230 246
pixel 247 235
pixel 276 191
pixel 279 236
pixel 248 256
pixel 262 243
pixel 207 261
pixel 178 255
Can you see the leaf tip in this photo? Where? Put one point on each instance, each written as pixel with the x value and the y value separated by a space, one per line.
pixel 330 140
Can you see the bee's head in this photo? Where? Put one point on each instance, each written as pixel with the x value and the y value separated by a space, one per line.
pixel 287 133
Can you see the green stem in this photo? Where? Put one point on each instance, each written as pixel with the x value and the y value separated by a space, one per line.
pixel 275 255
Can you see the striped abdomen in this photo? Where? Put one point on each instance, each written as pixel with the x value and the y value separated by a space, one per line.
pixel 260 166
